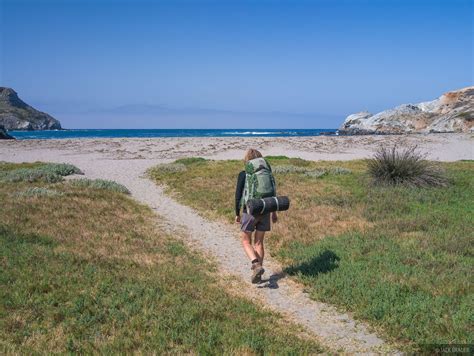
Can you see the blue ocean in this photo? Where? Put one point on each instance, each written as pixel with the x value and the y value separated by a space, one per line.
pixel 140 133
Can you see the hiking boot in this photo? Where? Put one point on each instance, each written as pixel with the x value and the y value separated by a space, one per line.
pixel 257 271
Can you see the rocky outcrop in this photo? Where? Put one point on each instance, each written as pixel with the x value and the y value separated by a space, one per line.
pixel 451 112
pixel 4 134
pixel 15 114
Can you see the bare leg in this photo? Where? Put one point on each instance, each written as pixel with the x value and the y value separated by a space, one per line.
pixel 246 238
pixel 258 245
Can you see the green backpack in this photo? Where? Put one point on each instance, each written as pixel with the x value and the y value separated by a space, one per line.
pixel 259 181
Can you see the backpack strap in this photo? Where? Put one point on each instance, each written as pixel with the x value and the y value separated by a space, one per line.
pixel 278 205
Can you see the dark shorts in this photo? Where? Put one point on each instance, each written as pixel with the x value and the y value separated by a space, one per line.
pixel 250 223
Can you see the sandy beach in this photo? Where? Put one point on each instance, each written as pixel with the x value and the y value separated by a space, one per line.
pixel 442 147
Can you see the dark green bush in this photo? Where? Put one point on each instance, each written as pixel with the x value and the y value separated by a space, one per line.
pixel 62 169
pixel 405 166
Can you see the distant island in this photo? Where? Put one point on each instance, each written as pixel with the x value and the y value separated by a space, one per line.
pixel 451 112
pixel 15 114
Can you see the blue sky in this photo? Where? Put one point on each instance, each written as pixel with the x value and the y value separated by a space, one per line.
pixel 231 64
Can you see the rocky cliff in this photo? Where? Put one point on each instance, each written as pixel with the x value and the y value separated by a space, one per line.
pixel 451 112
pixel 4 135
pixel 15 114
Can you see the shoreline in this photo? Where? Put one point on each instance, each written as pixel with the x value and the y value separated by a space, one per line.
pixel 439 146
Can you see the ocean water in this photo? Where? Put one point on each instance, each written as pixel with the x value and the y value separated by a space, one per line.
pixel 114 133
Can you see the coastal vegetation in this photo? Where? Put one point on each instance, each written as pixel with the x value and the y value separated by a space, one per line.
pixel 405 166
pixel 399 256
pixel 87 270
pixel 100 184
pixel 36 172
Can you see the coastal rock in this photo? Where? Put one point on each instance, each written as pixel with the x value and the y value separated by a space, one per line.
pixel 15 114
pixel 4 134
pixel 451 112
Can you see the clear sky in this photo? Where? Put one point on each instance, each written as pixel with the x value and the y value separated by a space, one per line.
pixel 231 64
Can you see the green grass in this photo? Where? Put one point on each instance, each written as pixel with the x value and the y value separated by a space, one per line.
pixel 88 271
pixel 401 258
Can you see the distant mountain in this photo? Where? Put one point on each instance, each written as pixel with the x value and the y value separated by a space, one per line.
pixel 451 112
pixel 15 114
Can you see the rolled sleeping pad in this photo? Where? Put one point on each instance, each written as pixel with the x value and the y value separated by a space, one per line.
pixel 268 205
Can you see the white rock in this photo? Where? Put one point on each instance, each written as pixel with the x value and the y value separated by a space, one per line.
pixel 452 112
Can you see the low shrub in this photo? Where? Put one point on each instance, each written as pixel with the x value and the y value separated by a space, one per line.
pixel 190 160
pixel 48 173
pixel 288 168
pixel 38 192
pixel 404 166
pixel 170 168
pixel 340 170
pixel 316 173
pixel 309 172
pixel 100 184
pixel 62 169
pixel 31 175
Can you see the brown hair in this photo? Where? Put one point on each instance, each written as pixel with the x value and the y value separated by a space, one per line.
pixel 251 154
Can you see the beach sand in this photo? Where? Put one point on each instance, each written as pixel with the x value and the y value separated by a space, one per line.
pixel 126 160
pixel 442 147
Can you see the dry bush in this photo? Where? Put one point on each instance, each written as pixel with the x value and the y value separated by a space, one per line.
pixel 405 166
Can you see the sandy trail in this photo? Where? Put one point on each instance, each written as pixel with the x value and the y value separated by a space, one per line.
pixel 125 161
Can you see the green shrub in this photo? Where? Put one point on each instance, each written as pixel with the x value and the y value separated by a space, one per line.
pixel 340 170
pixel 38 192
pixel 190 160
pixel 288 168
pixel 395 166
pixel 9 166
pixel 170 168
pixel 31 175
pixel 48 173
pixel 62 169
pixel 99 184
pixel 317 173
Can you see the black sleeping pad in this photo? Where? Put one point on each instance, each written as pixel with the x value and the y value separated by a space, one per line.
pixel 268 205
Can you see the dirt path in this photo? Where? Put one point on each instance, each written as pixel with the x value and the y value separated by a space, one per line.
pixel 335 330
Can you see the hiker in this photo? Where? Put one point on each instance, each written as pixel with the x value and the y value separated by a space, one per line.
pixel 256 181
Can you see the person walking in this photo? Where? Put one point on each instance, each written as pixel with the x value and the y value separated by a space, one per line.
pixel 256 181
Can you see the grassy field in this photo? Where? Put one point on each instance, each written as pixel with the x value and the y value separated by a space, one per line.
pixel 84 268
pixel 401 258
